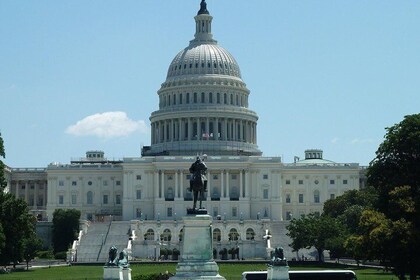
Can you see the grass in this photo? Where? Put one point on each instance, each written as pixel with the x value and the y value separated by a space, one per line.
pixel 229 271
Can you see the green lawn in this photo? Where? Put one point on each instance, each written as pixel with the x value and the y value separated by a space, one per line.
pixel 229 271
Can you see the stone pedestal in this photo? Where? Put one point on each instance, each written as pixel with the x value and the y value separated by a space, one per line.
pixel 278 273
pixel 126 273
pixel 197 250
pixel 113 273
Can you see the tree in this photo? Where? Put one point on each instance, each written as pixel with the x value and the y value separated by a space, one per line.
pixel 65 228
pixel 18 224
pixel 31 246
pixel 395 174
pixel 314 230
pixel 3 182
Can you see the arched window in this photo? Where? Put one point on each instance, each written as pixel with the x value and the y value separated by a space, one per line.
pixel 149 235
pixel 210 97
pixel 217 235
pixel 316 196
pixel 195 97
pixel 89 197
pixel 187 99
pixel 166 235
pixel 250 234
pixel 203 98
pixel 233 235
pixel 180 98
pixel 174 99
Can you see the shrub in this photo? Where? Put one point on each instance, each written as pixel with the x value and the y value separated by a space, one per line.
pixel 45 254
pixel 60 255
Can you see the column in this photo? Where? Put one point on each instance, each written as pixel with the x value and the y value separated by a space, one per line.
pixel 224 129
pixel 156 184
pixel 162 184
pixel 176 184
pixel 180 133
pixel 189 129
pixel 171 131
pixel 240 184
pixel 216 129
pixel 208 184
pixel 247 180
pixel 222 185
pixel 36 193
pixel 182 184
pixel 26 191
pixel 241 131
pixel 235 133
pixel 207 130
pixel 198 129
pixel 227 184
pixel 17 190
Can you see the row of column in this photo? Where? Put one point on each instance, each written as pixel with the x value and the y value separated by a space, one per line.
pixel 181 185
pixel 187 129
pixel 36 192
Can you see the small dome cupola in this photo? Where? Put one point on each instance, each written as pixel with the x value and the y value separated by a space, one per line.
pixel 313 154
pixel 203 26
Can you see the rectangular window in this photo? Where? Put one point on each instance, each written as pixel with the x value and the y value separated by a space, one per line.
pixel 169 211
pixel 301 198
pixel 105 183
pixel 287 182
pixel 265 176
pixel 138 194
pixel 23 187
pixel 234 212
pixel 332 196
pixel 332 182
pixel 234 176
pixel 215 177
pixel 105 199
pixel 74 183
pixel 60 199
pixel 300 182
pixel 288 198
pixel 288 215
pixel 32 187
pixel 188 176
pixel 61 183
pixel 118 199
pixel 265 194
pixel 118 183
pixel 138 177
pixel 345 182
pixel 73 199
pixel 40 200
pixel 138 212
pixel 169 177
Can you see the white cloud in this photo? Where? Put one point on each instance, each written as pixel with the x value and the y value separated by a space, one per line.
pixel 107 125
pixel 361 141
pixel 335 140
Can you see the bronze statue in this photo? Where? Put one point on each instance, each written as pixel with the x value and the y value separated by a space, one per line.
pixel 198 181
pixel 277 257
pixel 123 259
pixel 112 256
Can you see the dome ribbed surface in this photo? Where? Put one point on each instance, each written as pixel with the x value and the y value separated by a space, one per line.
pixel 204 59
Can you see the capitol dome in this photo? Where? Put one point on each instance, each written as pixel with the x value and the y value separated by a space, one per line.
pixel 203 103
pixel 203 59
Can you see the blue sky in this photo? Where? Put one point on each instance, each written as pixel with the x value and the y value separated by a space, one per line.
pixel 81 75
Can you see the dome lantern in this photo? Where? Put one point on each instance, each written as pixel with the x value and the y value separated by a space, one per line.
pixel 203 26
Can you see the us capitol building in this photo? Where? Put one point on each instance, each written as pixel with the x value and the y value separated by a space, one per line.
pixel 203 110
